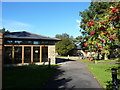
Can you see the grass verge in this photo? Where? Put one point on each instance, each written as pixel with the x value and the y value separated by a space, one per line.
pixel 103 74
pixel 100 61
pixel 20 77
pixel 85 61
pixel 109 61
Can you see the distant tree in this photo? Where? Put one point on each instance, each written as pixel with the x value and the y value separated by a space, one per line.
pixel 66 45
pixel 3 30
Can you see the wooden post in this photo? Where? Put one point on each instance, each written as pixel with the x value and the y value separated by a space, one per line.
pixel 31 54
pixel 40 54
pixel 13 55
pixel 22 54
pixel 49 62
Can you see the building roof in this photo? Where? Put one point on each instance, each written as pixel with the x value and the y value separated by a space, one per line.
pixel 27 35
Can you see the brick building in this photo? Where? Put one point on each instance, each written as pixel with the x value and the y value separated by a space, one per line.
pixel 25 48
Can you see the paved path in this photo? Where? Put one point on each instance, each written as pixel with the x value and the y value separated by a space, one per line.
pixel 73 74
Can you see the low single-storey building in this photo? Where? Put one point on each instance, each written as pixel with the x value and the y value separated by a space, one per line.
pixel 25 47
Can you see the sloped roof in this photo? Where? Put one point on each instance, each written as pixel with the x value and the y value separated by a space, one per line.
pixel 27 35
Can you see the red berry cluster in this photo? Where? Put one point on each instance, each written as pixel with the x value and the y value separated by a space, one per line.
pixel 92 32
pixel 105 33
pixel 85 44
pixel 103 22
pixel 89 58
pixel 111 38
pixel 102 40
pixel 99 46
pixel 91 23
pixel 102 28
pixel 114 10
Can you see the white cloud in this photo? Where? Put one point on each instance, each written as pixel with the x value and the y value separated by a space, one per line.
pixel 16 25
pixel 78 21
pixel 78 25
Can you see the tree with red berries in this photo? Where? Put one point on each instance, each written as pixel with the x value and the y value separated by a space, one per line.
pixel 104 30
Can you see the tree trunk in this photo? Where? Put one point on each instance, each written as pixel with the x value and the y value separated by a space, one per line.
pixel 105 57
pixel 98 56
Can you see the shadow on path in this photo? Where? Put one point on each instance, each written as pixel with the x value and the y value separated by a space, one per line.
pixel 72 75
pixel 62 60
pixel 56 82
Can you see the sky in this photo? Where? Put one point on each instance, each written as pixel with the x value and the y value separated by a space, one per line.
pixel 44 18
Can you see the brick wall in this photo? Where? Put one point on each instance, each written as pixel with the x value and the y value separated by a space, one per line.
pixel 1 42
pixel 51 53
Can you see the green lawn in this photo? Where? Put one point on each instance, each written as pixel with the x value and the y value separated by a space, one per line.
pixel 109 61
pixel 65 56
pixel 22 77
pixel 100 61
pixel 85 61
pixel 103 73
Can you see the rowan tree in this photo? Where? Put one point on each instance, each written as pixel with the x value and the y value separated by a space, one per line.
pixel 103 29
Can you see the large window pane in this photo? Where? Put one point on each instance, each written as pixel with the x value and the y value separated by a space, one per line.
pixel 27 42
pixel 45 42
pixel 27 54
pixel 44 54
pixel 8 42
pixel 18 55
pixel 36 43
pixel 8 55
pixel 36 54
pixel 18 43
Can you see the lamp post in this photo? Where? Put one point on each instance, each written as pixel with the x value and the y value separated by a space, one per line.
pixel 114 78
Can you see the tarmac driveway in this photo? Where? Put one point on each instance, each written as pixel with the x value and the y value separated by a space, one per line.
pixel 73 74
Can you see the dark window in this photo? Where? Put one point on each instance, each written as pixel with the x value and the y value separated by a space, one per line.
pixel 44 54
pixel 27 54
pixel 8 42
pixel 27 42
pixel 18 55
pixel 36 54
pixel 44 42
pixel 8 55
pixel 36 43
pixel 18 42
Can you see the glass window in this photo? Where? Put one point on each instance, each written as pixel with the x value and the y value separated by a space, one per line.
pixel 18 55
pixel 27 42
pixel 8 55
pixel 44 42
pixel 36 54
pixel 27 54
pixel 36 43
pixel 8 42
pixel 44 54
pixel 18 42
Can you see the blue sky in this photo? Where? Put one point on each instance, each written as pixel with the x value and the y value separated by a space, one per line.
pixel 45 18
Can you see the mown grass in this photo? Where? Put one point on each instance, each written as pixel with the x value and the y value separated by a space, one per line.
pixel 22 77
pixel 65 56
pixel 109 61
pixel 103 74
pixel 100 61
pixel 85 61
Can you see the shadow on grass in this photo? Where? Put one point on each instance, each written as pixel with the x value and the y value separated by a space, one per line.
pixel 58 82
pixel 109 85
pixel 33 76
